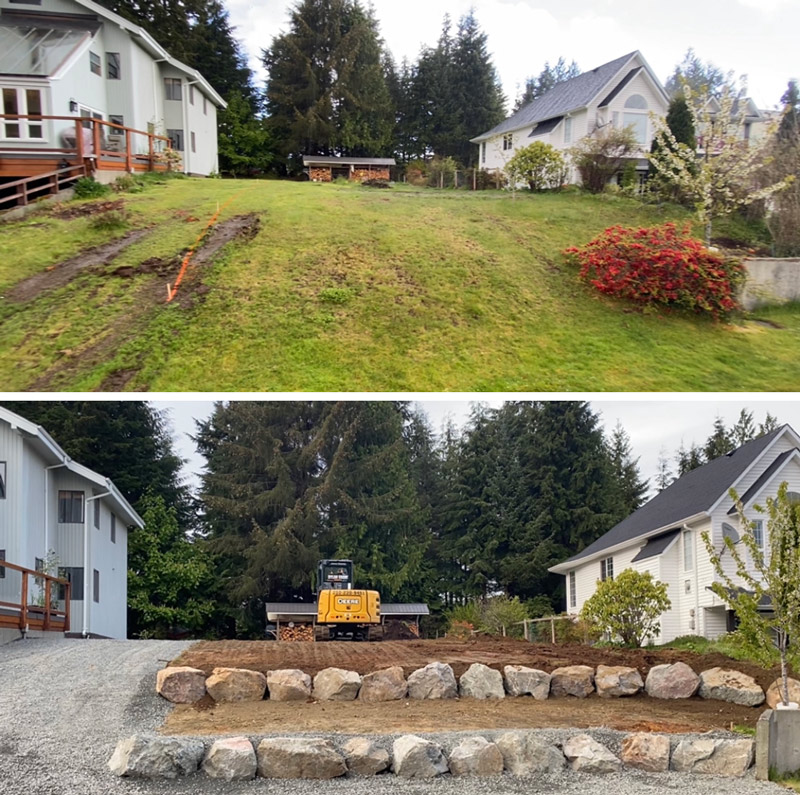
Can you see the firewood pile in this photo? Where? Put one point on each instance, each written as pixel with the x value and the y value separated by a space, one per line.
pixel 297 633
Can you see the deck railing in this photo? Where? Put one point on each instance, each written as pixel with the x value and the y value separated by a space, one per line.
pixel 93 139
pixel 30 188
pixel 42 614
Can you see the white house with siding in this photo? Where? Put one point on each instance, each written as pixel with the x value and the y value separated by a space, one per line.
pixel 52 505
pixel 620 93
pixel 75 59
pixel 664 535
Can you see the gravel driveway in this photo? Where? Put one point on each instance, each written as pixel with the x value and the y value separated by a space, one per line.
pixel 64 704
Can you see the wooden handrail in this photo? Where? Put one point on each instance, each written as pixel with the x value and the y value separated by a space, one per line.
pixel 81 119
pixel 47 609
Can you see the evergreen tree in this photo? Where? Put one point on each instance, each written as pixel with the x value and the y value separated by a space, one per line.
pixel 245 144
pixel 535 87
pixel 664 476
pixel 789 130
pixel 720 441
pixel 326 88
pixel 744 429
pixel 690 459
pixel 704 79
pixel 631 490
pixel 768 426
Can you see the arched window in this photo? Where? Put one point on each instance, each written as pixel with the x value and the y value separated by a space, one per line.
pixel 636 102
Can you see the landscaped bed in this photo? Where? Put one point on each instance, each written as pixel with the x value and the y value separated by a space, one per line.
pixel 344 288
pixel 637 713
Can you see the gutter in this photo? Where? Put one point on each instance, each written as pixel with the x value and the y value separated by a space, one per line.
pixel 87 562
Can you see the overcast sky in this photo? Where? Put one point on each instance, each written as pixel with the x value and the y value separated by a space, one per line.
pixel 653 424
pixel 753 37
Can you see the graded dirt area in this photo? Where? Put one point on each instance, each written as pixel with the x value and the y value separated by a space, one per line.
pixel 639 713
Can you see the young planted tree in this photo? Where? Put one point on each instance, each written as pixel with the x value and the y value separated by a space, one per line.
pixel 725 176
pixel 599 157
pixel 765 569
pixel 628 607
pixel 539 164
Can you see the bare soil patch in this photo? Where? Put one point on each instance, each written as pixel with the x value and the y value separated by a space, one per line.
pixel 82 210
pixel 64 272
pixel 640 713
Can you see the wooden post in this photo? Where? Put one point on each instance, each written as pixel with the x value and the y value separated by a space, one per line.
pixel 47 585
pixel 441 180
pixel 150 152
pixel 128 156
pixel 474 179
pixel 553 630
pixel 96 141
pixel 504 630
pixel 497 178
pixel 67 598
pixel 23 616
pixel 79 140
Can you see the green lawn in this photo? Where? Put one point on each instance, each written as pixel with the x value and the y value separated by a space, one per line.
pixel 347 288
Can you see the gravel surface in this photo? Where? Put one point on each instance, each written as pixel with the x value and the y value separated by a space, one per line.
pixel 64 705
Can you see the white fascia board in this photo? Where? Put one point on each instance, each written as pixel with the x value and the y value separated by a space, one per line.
pixel 795 456
pixel 92 476
pixel 567 566
pixel 786 428
pixel 154 47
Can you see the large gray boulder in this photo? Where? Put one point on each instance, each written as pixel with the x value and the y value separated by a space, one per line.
pixel 572 680
pixel 522 681
pixel 435 680
pixel 413 757
pixel 364 757
pixel 149 756
pixel 775 690
pixel 236 684
pixel 288 684
pixel 336 684
pixel 733 686
pixel 617 680
pixel 646 751
pixel 386 685
pixel 671 680
pixel 181 684
pixel 480 681
pixel 231 759
pixel 293 757
pixel 730 758
pixel 587 755
pixel 476 756
pixel 525 753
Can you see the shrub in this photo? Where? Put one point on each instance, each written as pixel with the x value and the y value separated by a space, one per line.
pixel 110 221
pixel 539 164
pixel 463 619
pixel 599 157
pixel 88 188
pixel 660 265
pixel 504 614
pixel 628 607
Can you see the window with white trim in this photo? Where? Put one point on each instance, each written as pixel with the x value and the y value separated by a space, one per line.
pixel 607 569
pixel 22 102
pixel 96 510
pixel 688 551
pixel 3 468
pixel 508 141
pixel 483 153
pixel 176 138
pixel 113 529
pixel 568 130
pixel 70 507
pixel 113 67
pixel 172 88
pixel 95 64
pixel 96 586
pixel 573 595
pixel 758 533
pixel 194 141
pixel 636 121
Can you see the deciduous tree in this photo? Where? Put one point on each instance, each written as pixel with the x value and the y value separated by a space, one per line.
pixel 600 156
pixel 539 164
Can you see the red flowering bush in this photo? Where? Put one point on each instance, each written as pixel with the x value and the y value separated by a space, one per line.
pixel 660 265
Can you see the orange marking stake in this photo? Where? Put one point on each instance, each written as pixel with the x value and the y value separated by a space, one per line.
pixel 173 291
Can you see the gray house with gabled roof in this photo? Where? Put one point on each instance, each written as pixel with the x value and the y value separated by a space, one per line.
pixel 620 93
pixel 664 536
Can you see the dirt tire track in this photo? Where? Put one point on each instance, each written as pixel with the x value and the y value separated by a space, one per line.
pixel 64 272
pixel 149 296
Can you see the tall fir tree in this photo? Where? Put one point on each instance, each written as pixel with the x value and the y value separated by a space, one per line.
pixel 630 489
pixel 789 129
pixel 550 76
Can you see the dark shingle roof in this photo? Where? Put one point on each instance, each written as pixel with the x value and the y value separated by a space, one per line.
pixel 545 126
pixel 655 546
pixel 324 160
pixel 762 481
pixel 562 97
pixel 622 83
pixel 693 493
pixel 405 609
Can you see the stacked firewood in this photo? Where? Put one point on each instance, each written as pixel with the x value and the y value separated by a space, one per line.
pixel 297 632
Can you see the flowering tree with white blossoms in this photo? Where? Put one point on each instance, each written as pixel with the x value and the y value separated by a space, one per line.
pixel 723 175
pixel 764 572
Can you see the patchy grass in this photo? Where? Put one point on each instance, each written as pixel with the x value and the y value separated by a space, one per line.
pixel 347 289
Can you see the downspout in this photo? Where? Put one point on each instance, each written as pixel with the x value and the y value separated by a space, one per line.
pixel 187 133
pixel 46 503
pixel 87 562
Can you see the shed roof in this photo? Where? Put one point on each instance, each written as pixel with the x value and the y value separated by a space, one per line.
pixel 324 160
pixel 656 545
pixel 692 494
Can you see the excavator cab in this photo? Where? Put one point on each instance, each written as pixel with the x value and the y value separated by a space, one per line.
pixel 335 574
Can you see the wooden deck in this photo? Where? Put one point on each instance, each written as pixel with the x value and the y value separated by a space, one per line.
pixel 45 616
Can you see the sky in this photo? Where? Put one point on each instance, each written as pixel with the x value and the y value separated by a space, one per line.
pixel 654 423
pixel 752 37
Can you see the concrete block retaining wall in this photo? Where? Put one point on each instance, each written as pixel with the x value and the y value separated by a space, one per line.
pixel 771 281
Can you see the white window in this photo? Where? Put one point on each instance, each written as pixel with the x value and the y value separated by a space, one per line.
pixel 615 119
pixel 205 105
pixel 176 137
pixel 96 586
pixel 113 69
pixel 567 130
pixel 573 596
pixel 113 529
pixel 607 569
pixel 508 142
pixel 22 102
pixel 688 551
pixel 637 121
pixel 95 64
pixel 194 141
pixel 758 533
pixel 70 507
pixel 172 88
pixel 191 95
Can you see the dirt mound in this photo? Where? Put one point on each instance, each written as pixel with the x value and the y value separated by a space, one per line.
pixel 82 210
pixel 398 630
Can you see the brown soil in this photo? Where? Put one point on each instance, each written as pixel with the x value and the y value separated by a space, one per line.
pixel 64 272
pixel 82 210
pixel 639 713
pixel 149 295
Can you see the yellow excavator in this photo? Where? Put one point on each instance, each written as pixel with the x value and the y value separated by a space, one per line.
pixel 344 612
